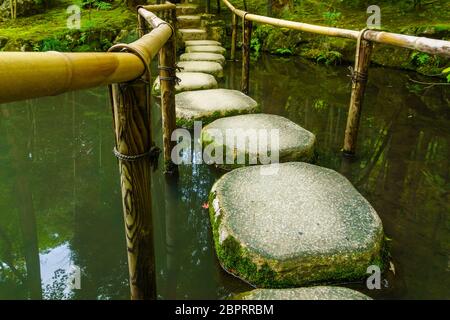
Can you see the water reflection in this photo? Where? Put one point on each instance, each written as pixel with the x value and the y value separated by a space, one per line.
pixel 60 201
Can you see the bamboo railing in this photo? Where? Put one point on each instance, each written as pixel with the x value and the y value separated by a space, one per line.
pixel 126 70
pixel 365 39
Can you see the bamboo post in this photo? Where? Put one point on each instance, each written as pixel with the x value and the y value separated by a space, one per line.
pixel 167 77
pixel 247 36
pixel 359 80
pixel 233 36
pixel 131 112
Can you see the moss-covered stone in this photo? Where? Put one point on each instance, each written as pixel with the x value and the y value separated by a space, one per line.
pixel 302 225
pixel 294 142
pixel 209 105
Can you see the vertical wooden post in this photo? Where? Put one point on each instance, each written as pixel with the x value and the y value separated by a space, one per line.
pixel 131 111
pixel 247 37
pixel 142 28
pixel 269 8
pixel 218 6
pixel 359 80
pixel 233 36
pixel 208 6
pixel 167 78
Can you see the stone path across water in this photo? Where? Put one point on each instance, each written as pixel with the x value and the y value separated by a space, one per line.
pixel 281 226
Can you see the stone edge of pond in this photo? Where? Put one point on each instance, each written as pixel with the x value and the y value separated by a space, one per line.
pixel 262 272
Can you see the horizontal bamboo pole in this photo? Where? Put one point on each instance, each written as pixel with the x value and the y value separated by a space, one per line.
pixel 431 46
pixel 335 32
pixel 25 75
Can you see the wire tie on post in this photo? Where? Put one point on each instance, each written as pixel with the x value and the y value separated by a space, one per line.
pixel 152 154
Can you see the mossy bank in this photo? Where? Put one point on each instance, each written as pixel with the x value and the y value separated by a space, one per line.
pixel 51 29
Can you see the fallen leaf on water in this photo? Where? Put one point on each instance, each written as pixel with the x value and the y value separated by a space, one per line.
pixel 392 267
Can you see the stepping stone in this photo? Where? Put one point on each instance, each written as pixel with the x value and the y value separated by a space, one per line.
pixel 192 34
pixel 208 105
pixel 209 67
pixel 190 81
pixel 186 9
pixel 193 43
pixel 203 56
pixel 189 21
pixel 210 49
pixel 295 143
pixel 292 224
pixel 311 293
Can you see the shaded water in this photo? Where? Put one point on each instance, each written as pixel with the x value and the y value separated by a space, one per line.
pixel 60 203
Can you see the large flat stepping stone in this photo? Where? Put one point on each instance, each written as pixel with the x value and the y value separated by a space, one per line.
pixel 210 49
pixel 208 105
pixel 292 224
pixel 192 34
pixel 203 56
pixel 187 9
pixel 310 293
pixel 190 81
pixel 189 21
pixel 193 43
pixel 294 142
pixel 209 67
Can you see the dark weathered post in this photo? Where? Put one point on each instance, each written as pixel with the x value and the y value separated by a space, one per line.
pixel 131 112
pixel 233 36
pixel 208 6
pixel 269 8
pixel 247 36
pixel 359 81
pixel 218 6
pixel 167 77
pixel 142 28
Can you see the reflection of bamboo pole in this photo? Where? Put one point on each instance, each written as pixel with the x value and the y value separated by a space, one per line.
pixel 27 216
pixel 246 39
pixel 233 36
pixel 167 77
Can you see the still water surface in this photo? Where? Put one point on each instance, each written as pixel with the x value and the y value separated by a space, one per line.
pixel 60 203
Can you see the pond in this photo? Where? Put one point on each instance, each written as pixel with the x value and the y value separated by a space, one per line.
pixel 60 202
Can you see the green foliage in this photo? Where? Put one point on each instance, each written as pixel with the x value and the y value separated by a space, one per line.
pixel 284 51
pixel 98 4
pixel 332 17
pixel 447 72
pixel 255 45
pixel 329 57
pixel 52 44
pixel 419 58
pixel 320 105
